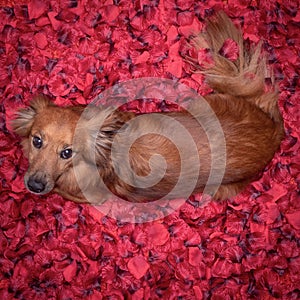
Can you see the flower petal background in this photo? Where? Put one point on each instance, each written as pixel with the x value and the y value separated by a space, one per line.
pixel 50 248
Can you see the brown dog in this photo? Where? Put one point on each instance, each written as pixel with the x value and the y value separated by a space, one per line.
pixel 83 154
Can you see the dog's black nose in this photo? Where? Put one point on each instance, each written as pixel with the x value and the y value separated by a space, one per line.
pixel 36 185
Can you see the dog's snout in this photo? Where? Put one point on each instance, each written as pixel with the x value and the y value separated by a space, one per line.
pixel 36 185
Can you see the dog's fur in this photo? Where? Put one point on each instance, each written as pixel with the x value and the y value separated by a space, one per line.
pixel 249 117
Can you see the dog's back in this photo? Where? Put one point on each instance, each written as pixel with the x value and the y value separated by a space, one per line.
pixel 251 123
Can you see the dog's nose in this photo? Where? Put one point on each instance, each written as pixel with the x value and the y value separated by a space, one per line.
pixel 36 185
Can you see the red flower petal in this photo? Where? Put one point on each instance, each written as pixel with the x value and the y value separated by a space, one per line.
pixel 27 207
pixel 54 22
pixel 42 21
pixel 294 219
pixel 174 63
pixel 111 12
pixel 36 8
pixel 223 268
pixel 138 266
pixel 189 30
pixel 41 40
pixel 70 271
pixel 70 213
pixel 139 237
pixel 157 234
pixel 184 4
pixel 142 58
pixel 172 34
pixel 230 50
pixel 195 256
pixel 58 86
pixel 185 18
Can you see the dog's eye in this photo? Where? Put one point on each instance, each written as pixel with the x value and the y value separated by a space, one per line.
pixel 66 154
pixel 37 142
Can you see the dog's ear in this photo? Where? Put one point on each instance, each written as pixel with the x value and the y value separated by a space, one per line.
pixel 23 122
pixel 115 121
pixel 99 126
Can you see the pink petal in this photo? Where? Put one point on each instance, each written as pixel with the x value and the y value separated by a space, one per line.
pixel 157 234
pixel 230 50
pixel 294 219
pixel 138 266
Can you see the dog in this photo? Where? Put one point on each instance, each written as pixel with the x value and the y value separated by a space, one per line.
pixel 88 154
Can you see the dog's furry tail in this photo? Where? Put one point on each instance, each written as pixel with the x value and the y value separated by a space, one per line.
pixel 242 75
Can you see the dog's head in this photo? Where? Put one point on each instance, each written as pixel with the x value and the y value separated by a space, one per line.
pixel 47 132
pixel 48 140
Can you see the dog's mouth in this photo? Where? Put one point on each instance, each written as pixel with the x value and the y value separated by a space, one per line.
pixel 38 183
